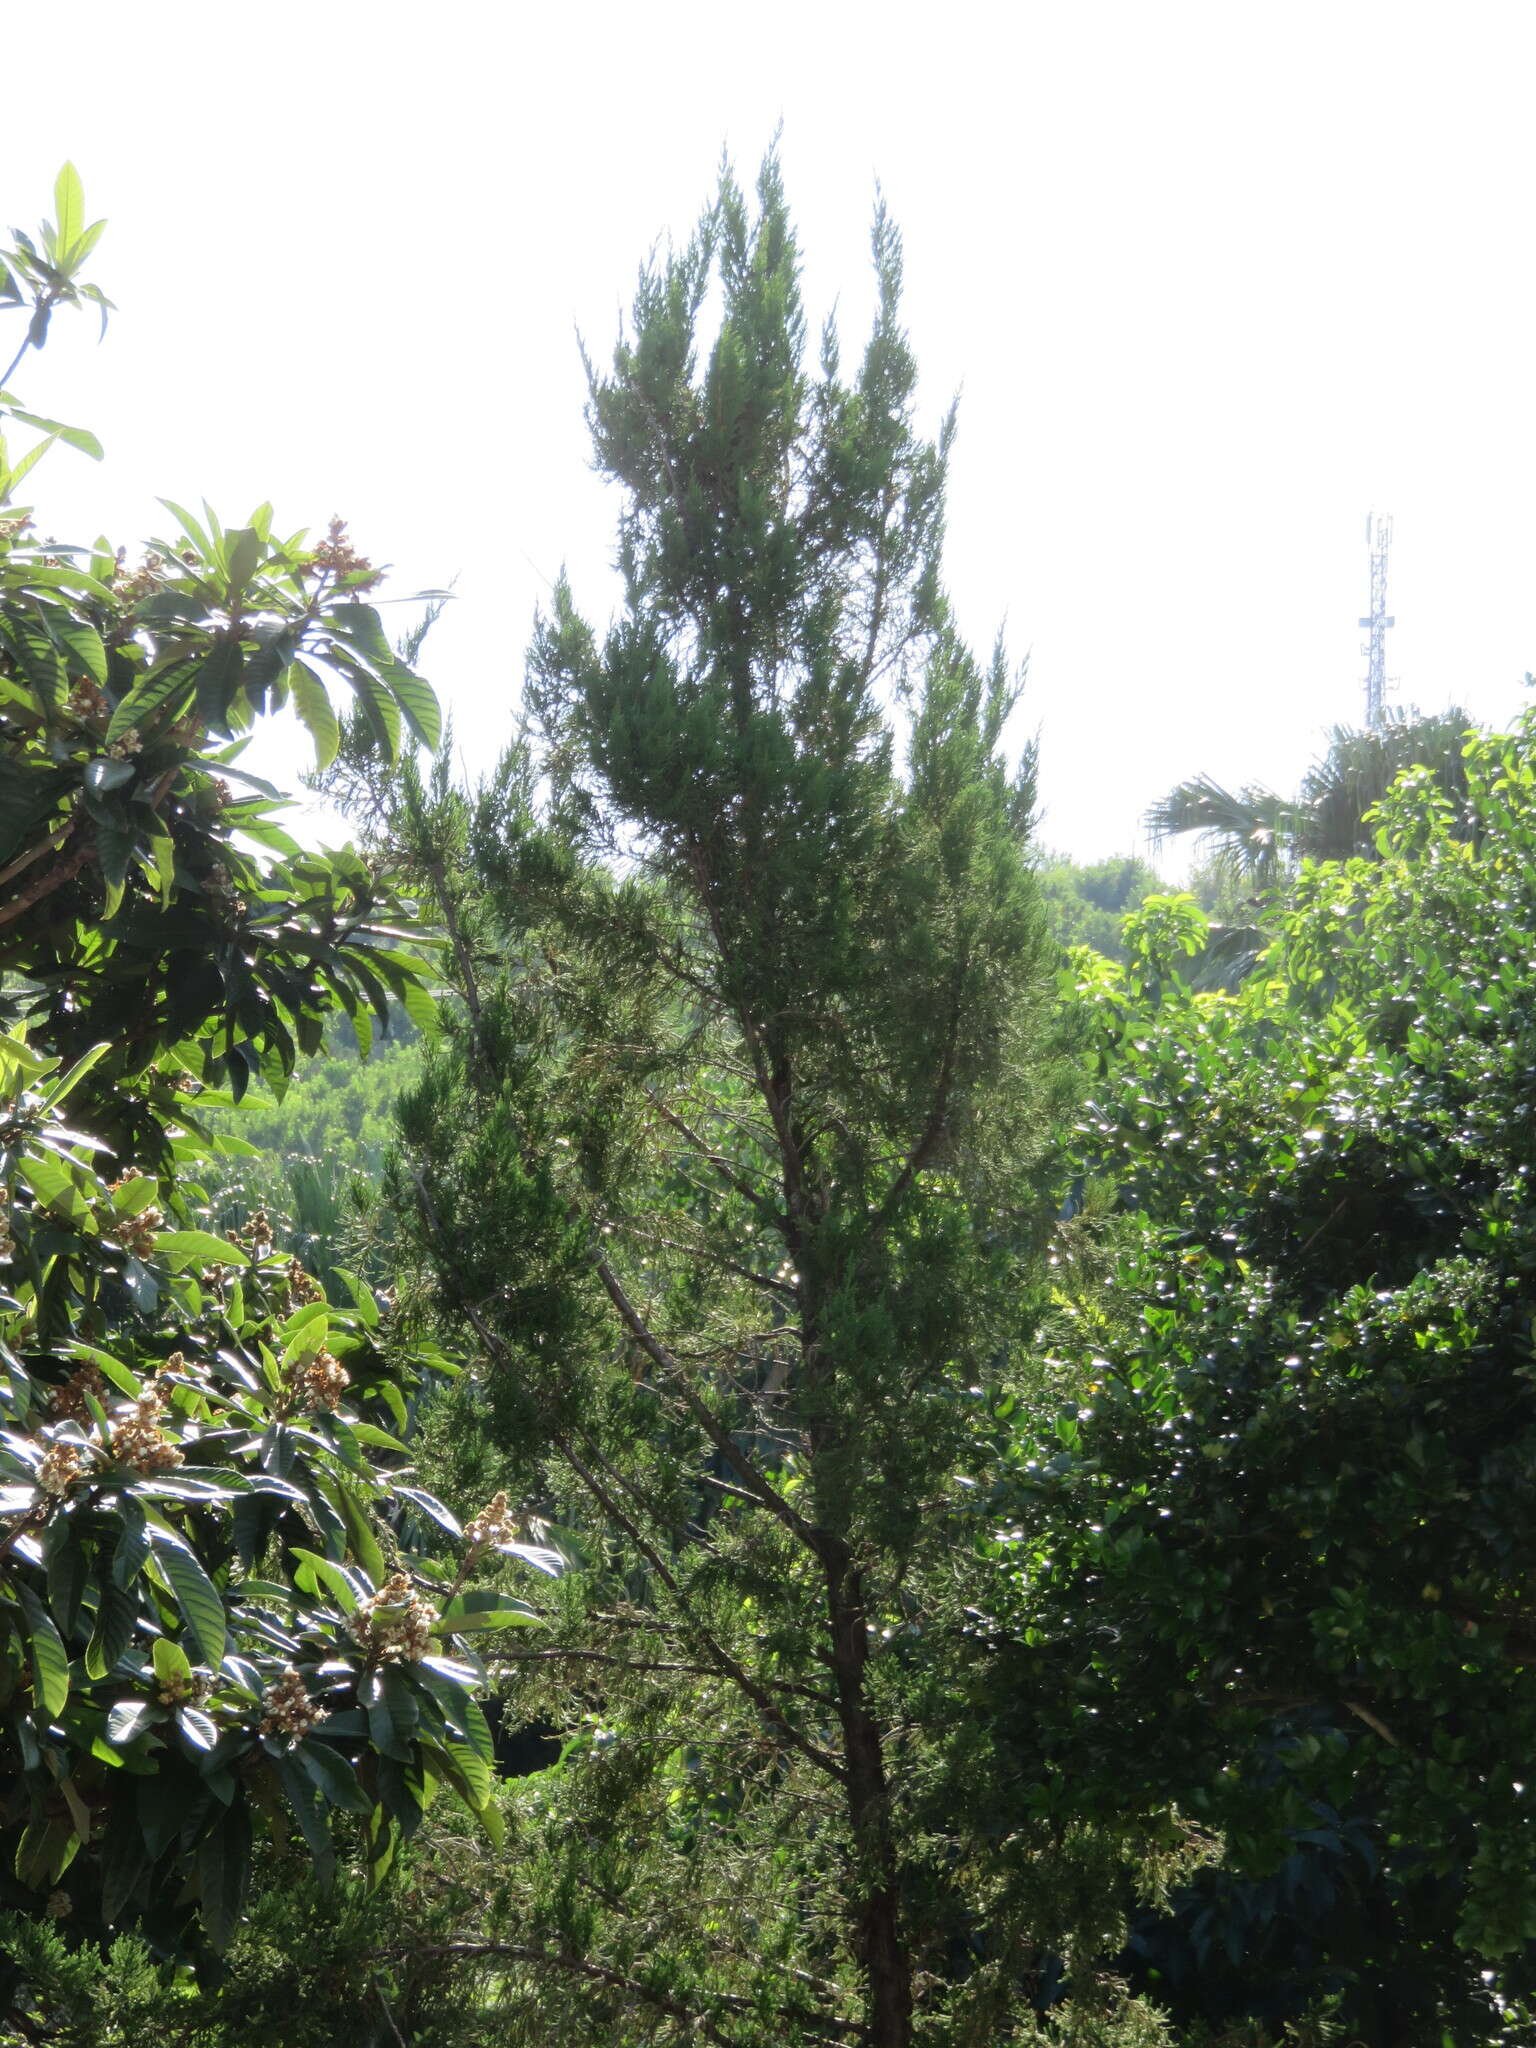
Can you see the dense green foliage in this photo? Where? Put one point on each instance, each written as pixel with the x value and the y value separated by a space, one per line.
pixel 1087 905
pixel 1278 1561
pixel 214 1614
pixel 734 1171
pixel 313 1159
pixel 1023 1474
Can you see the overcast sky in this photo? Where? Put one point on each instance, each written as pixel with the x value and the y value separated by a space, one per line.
pixel 1213 281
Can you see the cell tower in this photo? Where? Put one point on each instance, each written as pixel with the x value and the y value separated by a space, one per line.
pixel 1378 538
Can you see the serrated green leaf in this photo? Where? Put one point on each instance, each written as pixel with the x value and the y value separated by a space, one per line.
pixel 47 1654
pixel 56 430
pixel 166 690
pixel 379 707
pixel 361 1540
pixel 197 1727
pixel 84 643
pixel 362 1297
pixel 59 1089
pixel 116 1613
pixel 196 1594
pixel 179 1248
pixel 44 1853
pixel 189 527
pixel 304 1798
pixel 359 625
pixel 312 701
pixel 483 1608
pixel 420 1006
pixel 104 775
pixel 340 1583
pixel 245 551
pixel 57 1188
pixel 428 1503
pixel 172 1665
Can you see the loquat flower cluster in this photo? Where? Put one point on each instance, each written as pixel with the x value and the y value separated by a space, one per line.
pixel 335 556
pixel 394 1625
pixel 494 1524
pixel 303 1286
pixel 64 1462
pixel 139 1441
pixel 316 1382
pixel 289 1711
pixel 71 1401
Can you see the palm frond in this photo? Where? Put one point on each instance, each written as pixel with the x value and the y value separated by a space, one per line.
pixel 1250 826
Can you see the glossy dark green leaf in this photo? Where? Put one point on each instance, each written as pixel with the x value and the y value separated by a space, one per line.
pixel 48 1656
pixel 116 1611
pixel 392 1711
pixel 166 1811
pixel 163 694
pixel 125 1859
pixel 196 1595
pixel 482 1608
pixel 199 1730
pixel 432 1507
pixel 223 1870
pixel 309 1811
pixel 129 1719
pixel 217 680
pixel 132 1545
pixel 103 774
pixel 334 1775
pixel 343 1586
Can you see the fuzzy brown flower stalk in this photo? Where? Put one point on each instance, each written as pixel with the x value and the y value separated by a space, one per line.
pixel 185 1689
pixel 302 1285
pixel 257 1235
pixel 70 1402
pixel 137 1233
pixel 336 557
pixel 87 703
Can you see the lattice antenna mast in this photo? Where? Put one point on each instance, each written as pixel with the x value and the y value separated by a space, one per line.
pixel 1378 538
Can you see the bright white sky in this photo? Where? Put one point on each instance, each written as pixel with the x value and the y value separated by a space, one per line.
pixel 1214 280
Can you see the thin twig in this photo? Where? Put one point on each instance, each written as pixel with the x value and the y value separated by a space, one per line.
pixel 389 2018
pixel 702 1145
pixel 827 2025
pixel 724 1662
pixel 718 1434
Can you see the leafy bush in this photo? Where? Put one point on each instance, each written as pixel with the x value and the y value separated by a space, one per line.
pixel 1271 1561
pixel 220 1615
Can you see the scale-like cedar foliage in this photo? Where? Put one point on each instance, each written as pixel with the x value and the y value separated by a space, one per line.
pixel 734 1172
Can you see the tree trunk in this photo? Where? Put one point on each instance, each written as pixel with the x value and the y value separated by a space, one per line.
pixel 882 1954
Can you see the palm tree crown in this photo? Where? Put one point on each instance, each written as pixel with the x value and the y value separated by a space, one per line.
pixel 1262 835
